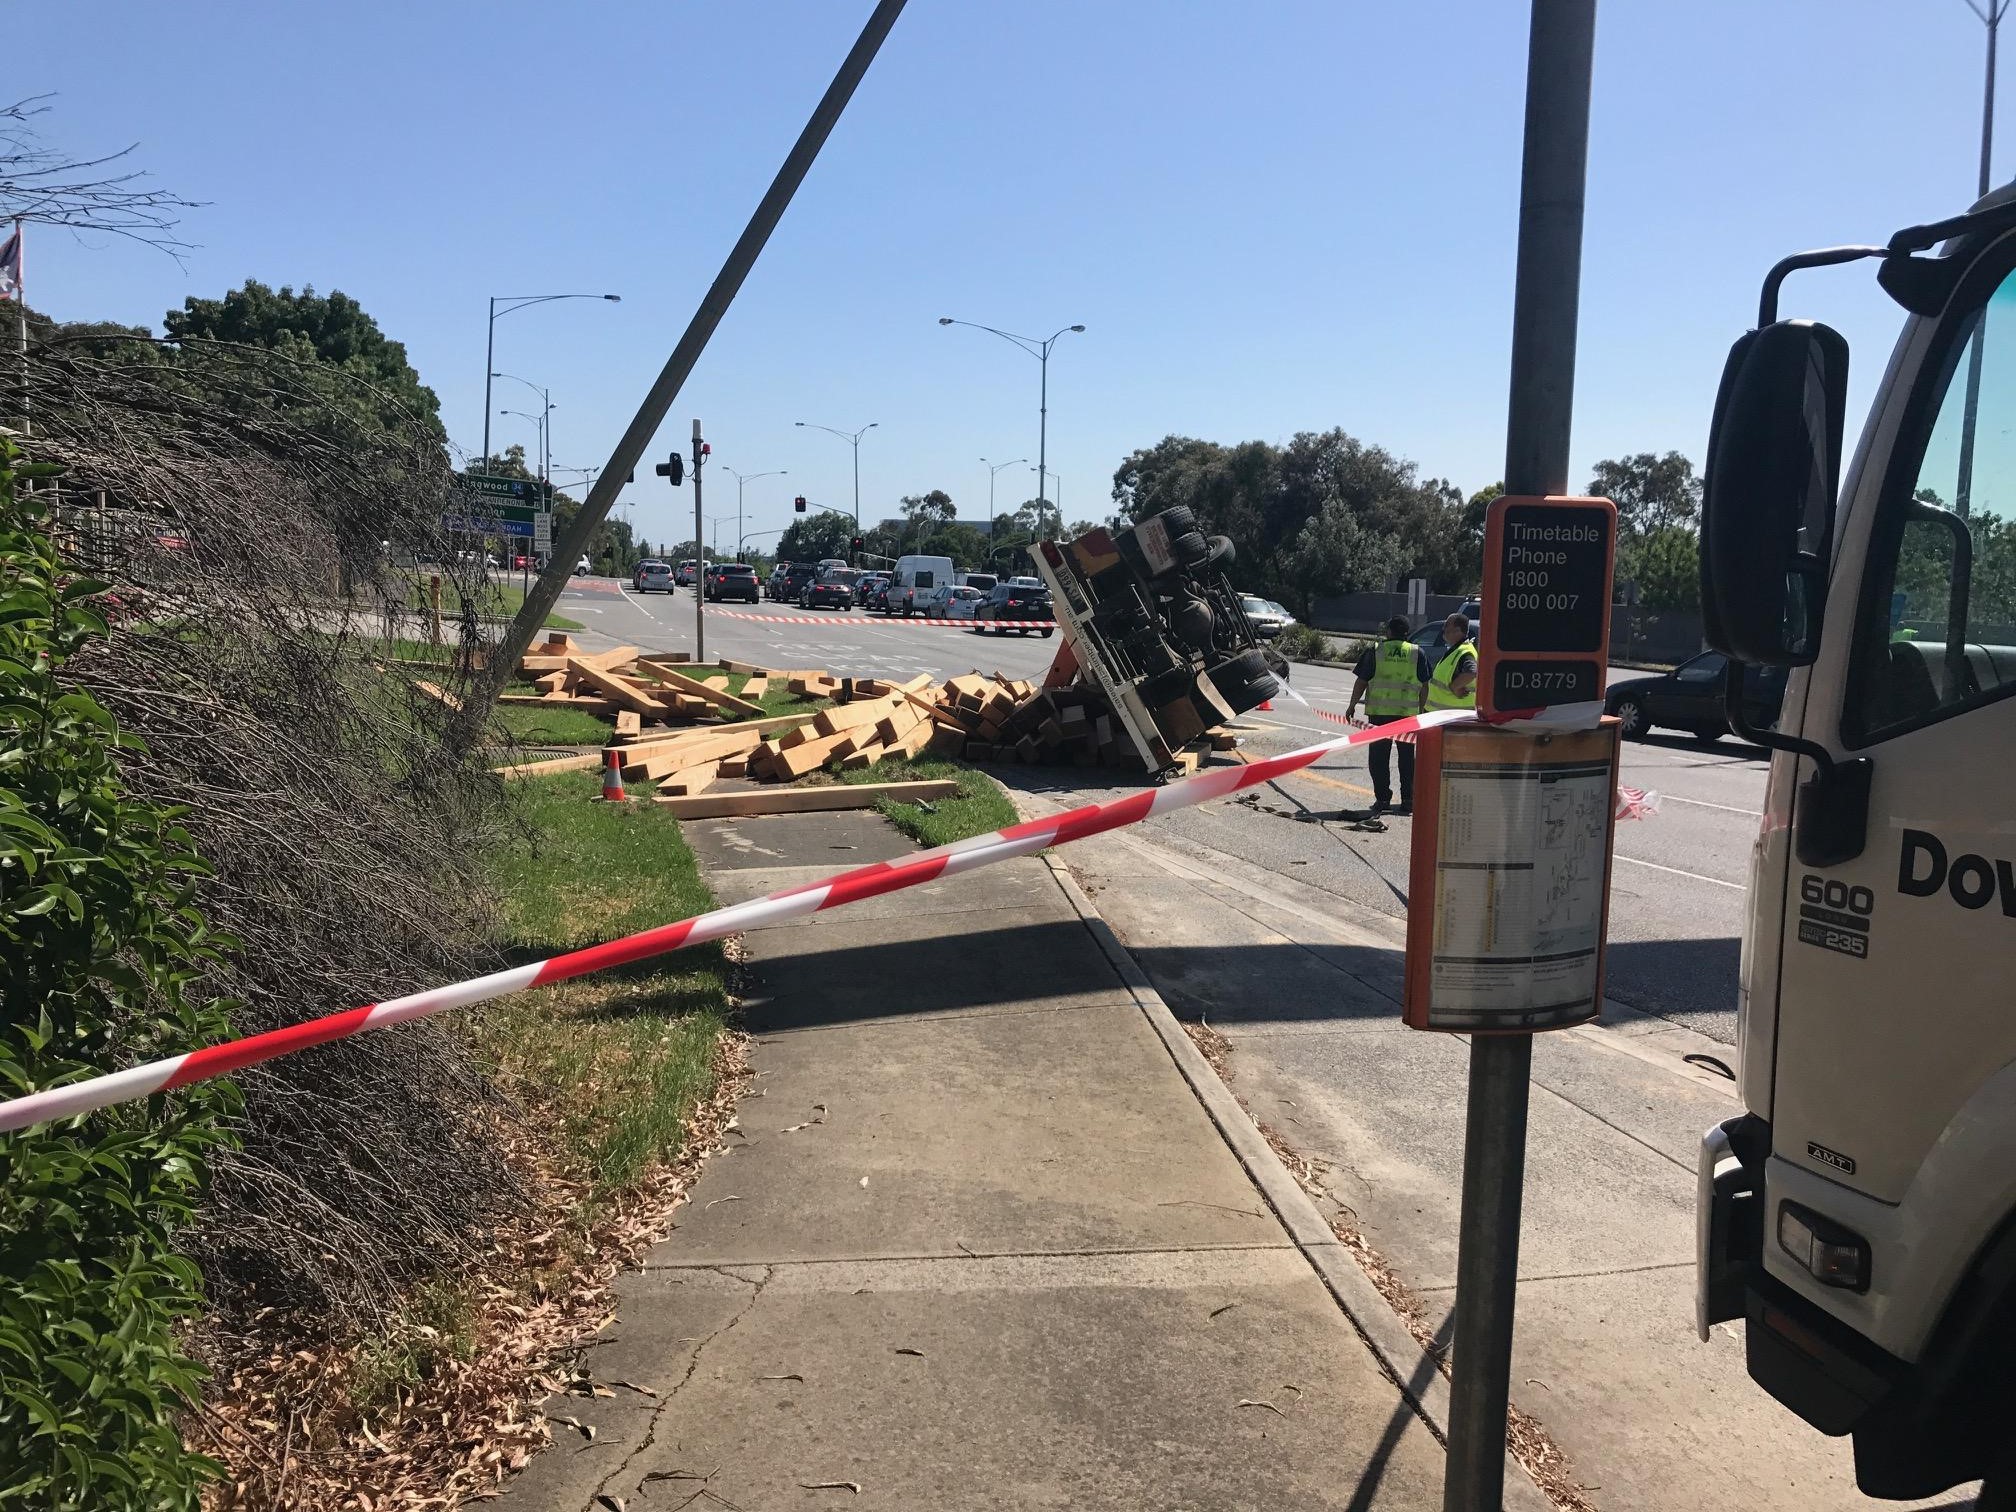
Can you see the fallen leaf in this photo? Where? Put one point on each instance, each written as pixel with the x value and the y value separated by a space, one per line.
pixel 790 1375
pixel 864 1181
pixel 613 1503
pixel 1225 1309
pixel 1249 1402
pixel 633 1386
pixel 917 1352
pixel 719 1200
pixel 854 1486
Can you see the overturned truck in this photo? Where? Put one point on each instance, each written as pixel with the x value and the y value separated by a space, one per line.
pixel 1152 621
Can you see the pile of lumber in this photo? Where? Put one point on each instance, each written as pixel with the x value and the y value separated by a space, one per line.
pixel 631 687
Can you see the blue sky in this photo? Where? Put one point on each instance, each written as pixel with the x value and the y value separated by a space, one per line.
pixel 1278 216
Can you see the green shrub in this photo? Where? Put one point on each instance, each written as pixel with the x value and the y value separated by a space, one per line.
pixel 1303 643
pixel 98 945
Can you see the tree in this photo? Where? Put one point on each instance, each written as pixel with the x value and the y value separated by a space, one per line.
pixel 1651 493
pixel 1336 552
pixel 1665 564
pixel 814 537
pixel 312 328
pixel 37 184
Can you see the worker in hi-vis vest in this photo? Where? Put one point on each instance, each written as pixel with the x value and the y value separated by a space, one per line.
pixel 1391 677
pixel 1453 683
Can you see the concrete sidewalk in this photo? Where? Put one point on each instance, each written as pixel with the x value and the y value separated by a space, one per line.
pixel 1307 993
pixel 981 1244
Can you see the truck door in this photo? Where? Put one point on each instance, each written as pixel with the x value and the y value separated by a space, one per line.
pixel 1896 997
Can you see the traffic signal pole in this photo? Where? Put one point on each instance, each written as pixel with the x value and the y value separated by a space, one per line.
pixel 699 554
pixel 1544 311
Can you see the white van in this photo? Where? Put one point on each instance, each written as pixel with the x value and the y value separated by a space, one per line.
pixel 912 582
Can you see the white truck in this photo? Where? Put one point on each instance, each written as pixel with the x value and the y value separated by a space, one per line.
pixel 1859 1217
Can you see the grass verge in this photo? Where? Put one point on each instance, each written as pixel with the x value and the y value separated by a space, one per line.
pixel 979 806
pixel 617 1060
pixel 494 600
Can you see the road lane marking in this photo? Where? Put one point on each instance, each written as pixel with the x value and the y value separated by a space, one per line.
pixel 1703 803
pixel 1676 871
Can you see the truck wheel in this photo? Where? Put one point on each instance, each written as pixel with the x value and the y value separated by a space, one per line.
pixel 1190 549
pixel 1223 554
pixel 1044 633
pixel 1245 681
pixel 1178 519
pixel 1632 721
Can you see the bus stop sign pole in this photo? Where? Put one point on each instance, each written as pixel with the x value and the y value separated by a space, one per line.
pixel 1558 62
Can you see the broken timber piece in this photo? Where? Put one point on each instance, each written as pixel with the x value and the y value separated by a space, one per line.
pixel 622 693
pixel 690 780
pixel 629 722
pixel 550 682
pixel 798 800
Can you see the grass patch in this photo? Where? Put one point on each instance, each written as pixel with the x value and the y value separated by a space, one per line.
pixel 979 806
pixel 618 1060
pixel 493 600
pixel 555 726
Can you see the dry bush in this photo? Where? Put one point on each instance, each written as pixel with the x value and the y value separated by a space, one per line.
pixel 237 500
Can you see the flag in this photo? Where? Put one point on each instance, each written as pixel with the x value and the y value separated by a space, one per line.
pixel 10 265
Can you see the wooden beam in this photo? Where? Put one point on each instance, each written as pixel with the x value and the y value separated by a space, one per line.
pixel 606 661
pixel 660 761
pixel 559 764
pixel 690 780
pixel 438 693
pixel 629 722
pixel 708 732
pixel 716 696
pixel 854 715
pixel 795 761
pixel 547 701
pixel 755 688
pixel 801 800
pixel 615 688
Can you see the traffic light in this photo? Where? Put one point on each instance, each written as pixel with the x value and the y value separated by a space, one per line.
pixel 672 470
pixel 857 543
pixel 799 503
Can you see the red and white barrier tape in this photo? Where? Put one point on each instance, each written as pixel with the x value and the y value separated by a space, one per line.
pixel 1024 839
pixel 891 622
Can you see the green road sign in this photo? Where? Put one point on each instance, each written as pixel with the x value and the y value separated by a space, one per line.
pixel 517 490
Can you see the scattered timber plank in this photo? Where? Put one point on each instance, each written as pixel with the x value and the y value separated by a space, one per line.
pixel 662 760
pixel 763 726
pixel 719 697
pixel 936 711
pixel 690 780
pixel 615 688
pixel 718 684
pixel 548 701
pixel 820 686
pixel 747 669
pixel 629 722
pixel 606 661
pixel 866 757
pixel 854 715
pixel 755 688
pixel 436 691
pixel 735 766
pixel 944 742
pixel 558 764
pixel 801 800
pixel 795 761
pixel 550 682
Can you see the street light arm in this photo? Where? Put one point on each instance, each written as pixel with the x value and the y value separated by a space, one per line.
pixel 1028 344
pixel 510 302
pixel 851 437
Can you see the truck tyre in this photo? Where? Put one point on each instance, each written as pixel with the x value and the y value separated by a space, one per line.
pixel 1632 721
pixel 1190 549
pixel 1177 520
pixel 1223 554
pixel 1245 681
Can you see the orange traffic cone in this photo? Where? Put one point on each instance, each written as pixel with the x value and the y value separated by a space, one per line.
pixel 612 777
pixel 1266 706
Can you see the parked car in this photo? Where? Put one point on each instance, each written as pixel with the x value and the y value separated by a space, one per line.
pixel 1016 599
pixel 733 580
pixel 797 578
pixel 871 589
pixel 832 589
pixel 949 601
pixel 912 582
pixel 654 577
pixel 637 573
pixel 1267 618
pixel 1691 698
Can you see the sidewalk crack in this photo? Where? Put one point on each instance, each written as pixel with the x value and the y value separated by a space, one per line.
pixel 692 1365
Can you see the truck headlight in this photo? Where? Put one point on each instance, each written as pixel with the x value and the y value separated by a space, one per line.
pixel 1831 1254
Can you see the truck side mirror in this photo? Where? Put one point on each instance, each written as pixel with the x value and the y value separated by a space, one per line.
pixel 1767 508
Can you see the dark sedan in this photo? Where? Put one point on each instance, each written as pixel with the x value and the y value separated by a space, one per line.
pixel 733 580
pixel 833 591
pixel 1690 698
pixel 1015 600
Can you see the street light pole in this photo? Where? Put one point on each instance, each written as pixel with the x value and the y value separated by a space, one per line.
pixel 740 479
pixel 1040 350
pixel 513 302
pixel 993 469
pixel 853 439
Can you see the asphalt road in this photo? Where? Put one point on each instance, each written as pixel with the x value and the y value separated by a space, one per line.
pixel 1677 887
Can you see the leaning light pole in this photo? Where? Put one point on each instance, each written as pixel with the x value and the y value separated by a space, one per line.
pixel 1040 350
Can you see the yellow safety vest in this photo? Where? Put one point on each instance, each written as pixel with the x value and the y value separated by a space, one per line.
pixel 1396 684
pixel 1440 695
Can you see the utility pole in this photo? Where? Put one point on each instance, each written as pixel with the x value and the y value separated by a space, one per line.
pixel 1544 311
pixel 1963 490
pixel 700 565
